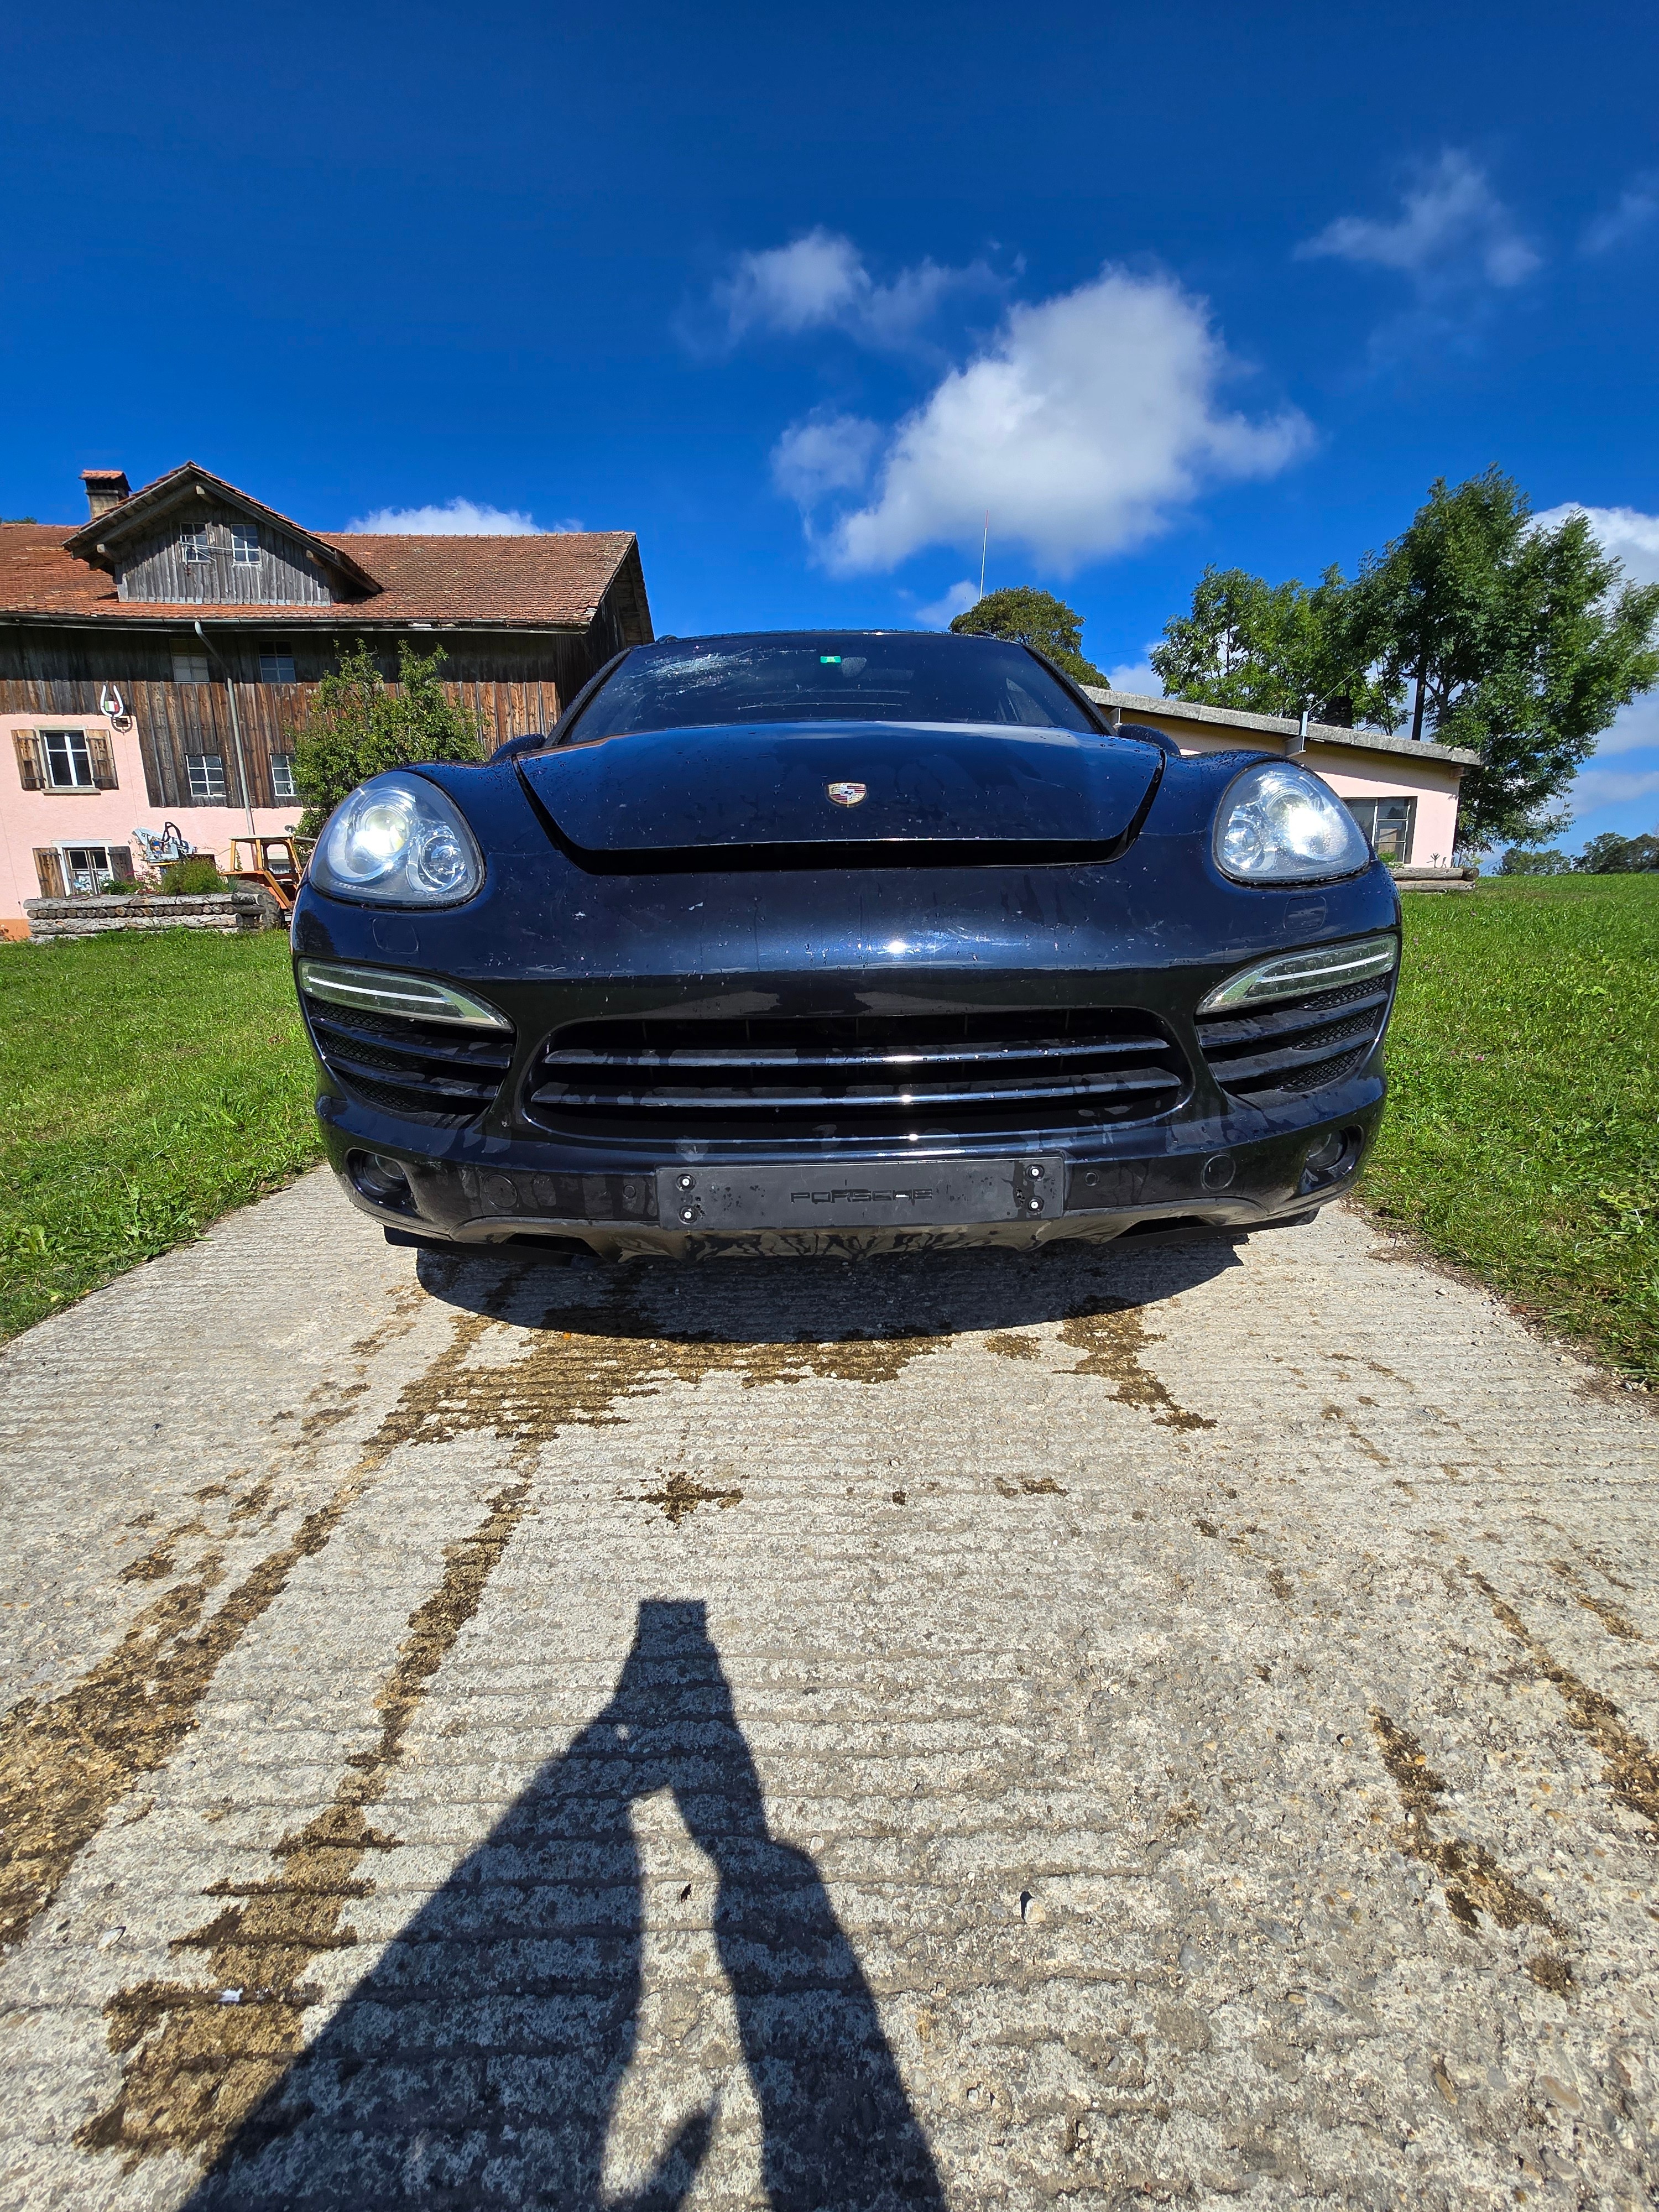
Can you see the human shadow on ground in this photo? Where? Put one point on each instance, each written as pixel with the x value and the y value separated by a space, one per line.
pixel 740 1302
pixel 478 2064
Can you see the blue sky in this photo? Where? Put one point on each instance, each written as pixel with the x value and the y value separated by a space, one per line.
pixel 798 294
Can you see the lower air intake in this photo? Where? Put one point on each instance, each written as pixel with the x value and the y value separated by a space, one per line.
pixel 857 1076
pixel 433 1071
pixel 1297 1046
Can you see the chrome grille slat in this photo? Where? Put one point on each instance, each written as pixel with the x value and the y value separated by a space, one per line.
pixel 725 1101
pixel 676 1061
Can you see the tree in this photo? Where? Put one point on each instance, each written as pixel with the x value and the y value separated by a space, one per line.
pixel 1272 649
pixel 1529 860
pixel 1035 618
pixel 357 726
pixel 1610 854
pixel 1518 643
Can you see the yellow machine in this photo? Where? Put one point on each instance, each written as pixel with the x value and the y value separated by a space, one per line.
pixel 278 864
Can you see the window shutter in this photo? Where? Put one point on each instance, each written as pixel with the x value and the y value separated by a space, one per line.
pixel 29 765
pixel 103 760
pixel 49 867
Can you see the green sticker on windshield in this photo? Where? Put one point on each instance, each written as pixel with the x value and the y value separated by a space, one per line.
pixel 829 660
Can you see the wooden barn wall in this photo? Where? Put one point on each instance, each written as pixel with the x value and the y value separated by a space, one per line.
pixel 152 565
pixel 505 685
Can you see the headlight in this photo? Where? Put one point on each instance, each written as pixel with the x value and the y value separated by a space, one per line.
pixel 397 839
pixel 1292 974
pixel 1281 825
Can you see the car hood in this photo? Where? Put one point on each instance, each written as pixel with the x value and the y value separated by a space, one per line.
pixel 761 794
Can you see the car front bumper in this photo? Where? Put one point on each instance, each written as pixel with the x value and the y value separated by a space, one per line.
pixel 469 1189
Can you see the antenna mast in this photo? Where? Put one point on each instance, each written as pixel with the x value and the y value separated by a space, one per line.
pixel 984 543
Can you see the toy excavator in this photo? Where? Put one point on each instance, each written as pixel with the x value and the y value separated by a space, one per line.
pixel 275 864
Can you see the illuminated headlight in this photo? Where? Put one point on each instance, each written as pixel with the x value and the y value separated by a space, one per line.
pixel 1279 825
pixel 399 840
pixel 1324 968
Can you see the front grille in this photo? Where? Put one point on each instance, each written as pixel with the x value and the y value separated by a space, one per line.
pixel 1297 1046
pixel 433 1071
pixel 857 1076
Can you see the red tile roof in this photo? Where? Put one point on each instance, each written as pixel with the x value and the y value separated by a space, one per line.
pixel 554 581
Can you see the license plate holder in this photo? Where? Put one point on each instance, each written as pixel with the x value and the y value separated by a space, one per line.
pixel 871 1195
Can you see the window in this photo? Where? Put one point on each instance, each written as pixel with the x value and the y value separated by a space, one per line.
pixel 207 777
pixel 89 868
pixel 245 545
pixel 190 668
pixel 805 677
pixel 193 543
pixel 275 664
pixel 68 760
pixel 1388 822
pixel 281 777
pixel 64 760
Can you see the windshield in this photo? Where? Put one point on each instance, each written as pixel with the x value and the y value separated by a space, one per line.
pixel 833 676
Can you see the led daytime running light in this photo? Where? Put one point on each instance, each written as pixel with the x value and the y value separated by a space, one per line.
pixel 385 991
pixel 1322 967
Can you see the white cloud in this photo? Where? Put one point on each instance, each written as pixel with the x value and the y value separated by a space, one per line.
pixel 957 601
pixel 455 518
pixel 1633 729
pixel 1453 234
pixel 1611 786
pixel 824 454
pixel 1139 677
pixel 1630 536
pixel 1638 203
pixel 1081 427
pixel 819 282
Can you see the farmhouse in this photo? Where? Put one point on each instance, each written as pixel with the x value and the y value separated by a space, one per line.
pixel 156 659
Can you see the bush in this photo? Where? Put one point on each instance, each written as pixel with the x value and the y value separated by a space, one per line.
pixel 358 726
pixel 190 877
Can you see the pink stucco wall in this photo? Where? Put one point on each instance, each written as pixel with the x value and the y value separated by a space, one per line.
pixel 31 818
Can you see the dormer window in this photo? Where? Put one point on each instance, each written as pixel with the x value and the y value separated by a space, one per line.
pixel 191 540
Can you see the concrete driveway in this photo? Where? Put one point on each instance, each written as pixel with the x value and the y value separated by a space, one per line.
pixel 1158 1725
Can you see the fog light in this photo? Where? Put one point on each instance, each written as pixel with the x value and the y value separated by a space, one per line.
pixel 1331 1158
pixel 381 1179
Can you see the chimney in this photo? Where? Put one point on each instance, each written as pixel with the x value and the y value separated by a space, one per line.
pixel 106 487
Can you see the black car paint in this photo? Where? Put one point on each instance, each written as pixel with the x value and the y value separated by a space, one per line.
pixel 550 940
pixel 754 795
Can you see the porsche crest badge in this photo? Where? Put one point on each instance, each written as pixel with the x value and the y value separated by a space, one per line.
pixel 847 795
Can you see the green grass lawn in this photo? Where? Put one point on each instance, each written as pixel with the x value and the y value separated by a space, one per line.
pixel 146 1084
pixel 1521 1136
